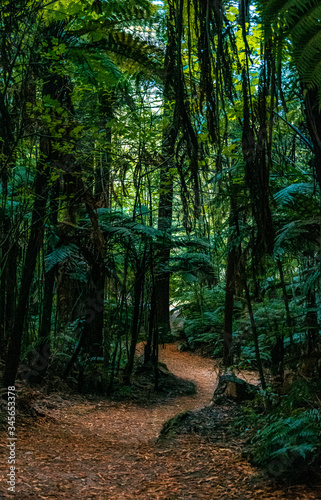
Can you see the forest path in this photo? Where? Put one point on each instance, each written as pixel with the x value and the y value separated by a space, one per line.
pixel 106 450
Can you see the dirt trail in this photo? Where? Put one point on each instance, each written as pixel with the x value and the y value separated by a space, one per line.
pixel 107 450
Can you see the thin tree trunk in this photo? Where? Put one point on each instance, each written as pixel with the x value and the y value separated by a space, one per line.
pixel 229 303
pixel 230 279
pixel 313 115
pixel 312 321
pixel 45 325
pixel 289 321
pixel 165 207
pixel 139 280
pixel 255 335
pixel 151 326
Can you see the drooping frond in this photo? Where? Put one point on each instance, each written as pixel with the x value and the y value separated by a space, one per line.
pixel 70 257
pixel 294 234
pixel 299 20
pixel 130 51
pixel 59 254
pixel 114 35
pixel 289 193
pixel 96 68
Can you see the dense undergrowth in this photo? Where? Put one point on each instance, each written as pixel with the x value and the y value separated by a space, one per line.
pixel 157 158
pixel 282 428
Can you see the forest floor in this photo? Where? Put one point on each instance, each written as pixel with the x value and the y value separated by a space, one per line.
pixel 103 449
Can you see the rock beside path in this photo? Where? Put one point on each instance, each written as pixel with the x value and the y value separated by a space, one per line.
pixel 230 386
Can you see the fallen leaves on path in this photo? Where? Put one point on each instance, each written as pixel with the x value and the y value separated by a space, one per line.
pixel 108 450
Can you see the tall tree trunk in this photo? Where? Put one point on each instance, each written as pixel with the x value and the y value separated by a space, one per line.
pixel 255 333
pixel 103 170
pixel 34 245
pixel 165 206
pixel 95 299
pixel 138 287
pixel 229 302
pixel 51 87
pixel 233 257
pixel 256 167
pixel 45 325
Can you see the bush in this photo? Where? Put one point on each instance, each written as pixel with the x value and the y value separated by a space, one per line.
pixel 288 446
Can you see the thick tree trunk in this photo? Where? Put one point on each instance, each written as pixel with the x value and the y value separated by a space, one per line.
pixel 257 169
pixel 34 244
pixel 51 87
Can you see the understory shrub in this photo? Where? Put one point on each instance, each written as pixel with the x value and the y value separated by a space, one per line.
pixel 288 446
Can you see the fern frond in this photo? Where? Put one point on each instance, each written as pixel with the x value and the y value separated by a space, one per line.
pixel 71 259
pixel 288 194
pixel 311 278
pixel 299 20
pixel 58 255
pixel 307 230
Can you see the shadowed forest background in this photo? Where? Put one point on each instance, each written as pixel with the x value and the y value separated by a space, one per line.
pixel 160 174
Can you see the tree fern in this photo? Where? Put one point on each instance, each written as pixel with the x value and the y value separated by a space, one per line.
pixel 103 40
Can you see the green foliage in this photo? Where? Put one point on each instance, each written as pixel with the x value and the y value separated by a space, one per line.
pixel 144 143
pixel 71 259
pixel 94 376
pixel 286 445
pixel 300 21
pixel 290 194
pixel 201 312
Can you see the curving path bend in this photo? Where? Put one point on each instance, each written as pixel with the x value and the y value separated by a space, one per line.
pixel 107 451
